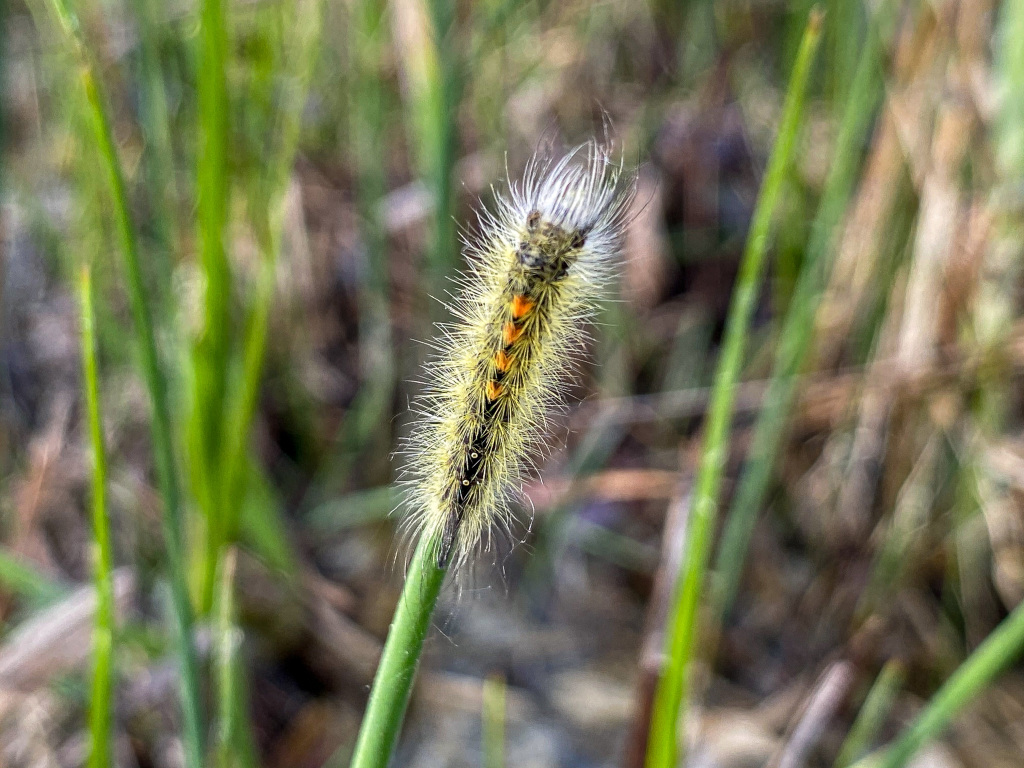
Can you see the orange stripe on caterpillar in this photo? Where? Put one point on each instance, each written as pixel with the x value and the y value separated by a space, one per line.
pixel 510 333
pixel 502 361
pixel 494 390
pixel 520 306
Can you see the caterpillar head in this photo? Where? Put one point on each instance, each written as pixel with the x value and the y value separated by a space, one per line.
pixel 568 212
pixel 546 245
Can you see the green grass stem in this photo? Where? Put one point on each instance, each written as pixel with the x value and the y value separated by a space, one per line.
pixel 226 648
pixel 493 721
pixel 392 684
pixel 670 696
pixel 160 423
pixel 212 351
pixel 872 715
pixel 798 327
pixel 103 632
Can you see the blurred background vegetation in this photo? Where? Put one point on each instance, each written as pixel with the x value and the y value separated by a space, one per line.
pixel 260 197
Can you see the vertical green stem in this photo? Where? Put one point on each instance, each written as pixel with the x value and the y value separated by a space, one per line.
pixel 435 76
pixel 212 175
pixel 393 682
pixel 798 328
pixel 227 698
pixel 161 429
pixel 213 351
pixel 103 632
pixel 160 422
pixel 493 725
pixel 669 703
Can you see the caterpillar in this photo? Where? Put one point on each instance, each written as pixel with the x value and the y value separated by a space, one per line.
pixel 536 268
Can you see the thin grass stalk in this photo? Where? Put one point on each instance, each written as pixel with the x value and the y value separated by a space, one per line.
pixel 226 648
pixel 670 697
pixel 798 327
pixel 213 350
pixel 213 181
pixel 872 714
pixel 243 407
pixel 999 650
pixel 493 722
pixel 392 684
pixel 103 630
pixel 155 384
pixel 161 429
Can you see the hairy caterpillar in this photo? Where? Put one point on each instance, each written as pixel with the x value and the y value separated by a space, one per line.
pixel 536 268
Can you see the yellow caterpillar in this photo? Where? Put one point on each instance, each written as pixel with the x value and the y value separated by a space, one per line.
pixel 535 271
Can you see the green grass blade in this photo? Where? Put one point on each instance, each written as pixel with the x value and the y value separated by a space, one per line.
pixel 160 422
pixel 226 642
pixel 238 414
pixel 669 702
pixel 979 670
pixel 493 722
pixel 393 682
pixel 872 714
pixel 213 190
pixel 798 327
pixel 103 632
pixel 212 351
pixel 244 402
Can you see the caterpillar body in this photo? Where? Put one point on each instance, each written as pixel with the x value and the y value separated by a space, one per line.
pixel 534 272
